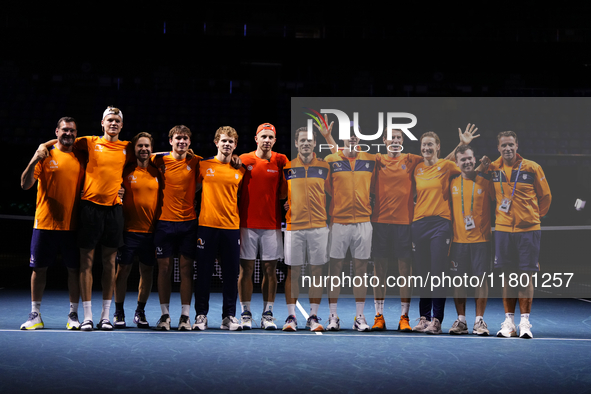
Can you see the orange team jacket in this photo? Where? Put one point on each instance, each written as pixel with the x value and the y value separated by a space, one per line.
pixel 306 193
pixel 432 185
pixel 178 191
pixel 480 211
pixel 262 189
pixel 104 170
pixel 142 199
pixel 350 184
pixel 58 190
pixel 532 195
pixel 219 201
pixel 394 188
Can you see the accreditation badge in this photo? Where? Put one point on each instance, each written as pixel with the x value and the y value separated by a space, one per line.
pixel 469 222
pixel 505 204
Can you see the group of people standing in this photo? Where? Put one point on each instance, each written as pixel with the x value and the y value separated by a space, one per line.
pixel 404 209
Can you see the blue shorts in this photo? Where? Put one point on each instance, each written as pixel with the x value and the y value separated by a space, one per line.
pixel 517 251
pixel 140 244
pixel 391 241
pixel 46 244
pixel 175 237
pixel 470 258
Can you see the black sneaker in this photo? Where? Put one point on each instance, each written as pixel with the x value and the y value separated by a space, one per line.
pixel 140 319
pixel 119 319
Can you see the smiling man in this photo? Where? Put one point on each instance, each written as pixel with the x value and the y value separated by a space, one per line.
pixel 176 230
pixel 219 230
pixel 260 223
pixel 523 197
pixel 470 249
pixel 59 172
pixel 141 209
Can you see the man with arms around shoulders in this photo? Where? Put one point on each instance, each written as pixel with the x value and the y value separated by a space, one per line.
pixel 141 209
pixel 219 230
pixel 306 237
pixel 260 223
pixel 59 171
pixel 176 229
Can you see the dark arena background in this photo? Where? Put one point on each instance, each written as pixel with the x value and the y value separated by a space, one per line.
pixel 213 64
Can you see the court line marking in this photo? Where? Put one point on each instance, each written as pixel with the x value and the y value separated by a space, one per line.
pixel 302 332
pixel 580 299
pixel 301 308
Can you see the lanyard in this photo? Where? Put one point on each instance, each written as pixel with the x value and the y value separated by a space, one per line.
pixel 508 180
pixel 472 201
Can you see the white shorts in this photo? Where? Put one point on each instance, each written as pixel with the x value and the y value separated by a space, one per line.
pixel 310 244
pixel 269 243
pixel 356 235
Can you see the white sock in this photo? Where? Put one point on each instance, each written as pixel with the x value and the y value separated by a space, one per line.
pixel 35 306
pixel 73 307
pixel 510 316
pixel 525 317
pixel 245 306
pixel 379 304
pixel 165 309
pixel 268 307
pixel 314 309
pixel 333 309
pixel 359 308
pixel 462 318
pixel 405 306
pixel 478 318
pixel 106 309
pixel 185 310
pixel 87 307
pixel 291 309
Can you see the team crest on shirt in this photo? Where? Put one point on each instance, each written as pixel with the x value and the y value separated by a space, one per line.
pixel 320 172
pixel 249 168
pixel 210 172
pixel 98 148
pixel 438 168
pixel 420 171
pixel 53 164
pixel 366 165
pixel 236 176
pixel 479 191
pixel 403 167
pixel 525 177
pixel 132 178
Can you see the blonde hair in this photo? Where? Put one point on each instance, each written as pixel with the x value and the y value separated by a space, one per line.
pixel 227 130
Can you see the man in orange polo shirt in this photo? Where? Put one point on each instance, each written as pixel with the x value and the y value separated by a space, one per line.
pixel 523 197
pixel 141 208
pixel 260 223
pixel 176 230
pixel 59 171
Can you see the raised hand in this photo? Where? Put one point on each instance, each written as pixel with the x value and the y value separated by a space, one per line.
pixel 468 135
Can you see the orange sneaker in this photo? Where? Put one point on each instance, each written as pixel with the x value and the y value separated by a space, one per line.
pixel 379 324
pixel 403 324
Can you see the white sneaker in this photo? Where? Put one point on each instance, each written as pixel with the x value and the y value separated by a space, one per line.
pixel 334 324
pixel 459 328
pixel 231 323
pixel 434 327
pixel 184 323
pixel 73 323
pixel 164 323
pixel 507 329
pixel 360 324
pixel 524 330
pixel 313 324
pixel 246 320
pixel 267 321
pixel 33 323
pixel 422 325
pixel 291 323
pixel 200 323
pixel 480 328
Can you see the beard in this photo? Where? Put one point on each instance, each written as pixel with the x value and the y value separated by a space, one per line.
pixel 66 140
